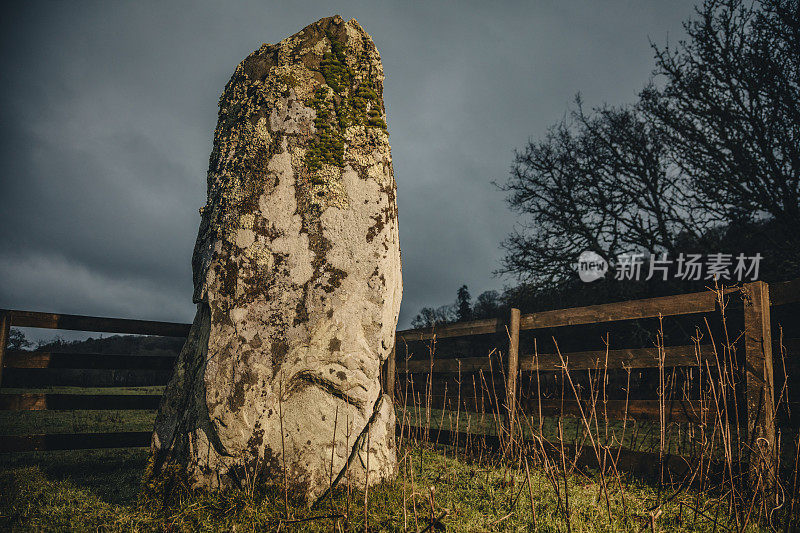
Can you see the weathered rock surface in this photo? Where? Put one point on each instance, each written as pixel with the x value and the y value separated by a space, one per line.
pixel 297 277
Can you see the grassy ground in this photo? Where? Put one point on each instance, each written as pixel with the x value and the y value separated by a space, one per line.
pixel 641 435
pixel 98 490
pixel 638 435
pixel 32 422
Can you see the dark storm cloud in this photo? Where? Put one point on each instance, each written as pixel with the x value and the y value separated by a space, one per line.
pixel 107 112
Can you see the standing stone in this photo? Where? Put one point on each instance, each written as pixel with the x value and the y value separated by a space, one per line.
pixel 297 278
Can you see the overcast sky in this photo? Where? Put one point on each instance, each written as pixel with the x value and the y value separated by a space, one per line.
pixel 108 111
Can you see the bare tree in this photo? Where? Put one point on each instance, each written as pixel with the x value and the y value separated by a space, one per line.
pixel 17 340
pixel 730 109
pixel 429 316
pixel 598 181
pixel 709 154
pixel 487 305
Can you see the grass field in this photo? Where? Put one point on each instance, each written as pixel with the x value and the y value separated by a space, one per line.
pixel 436 489
pixel 97 490
pixel 32 422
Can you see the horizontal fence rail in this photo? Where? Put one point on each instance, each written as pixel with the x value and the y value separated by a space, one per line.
pixel 92 361
pixel 77 402
pixel 589 360
pixel 74 441
pixel 47 369
pixel 32 319
pixel 682 304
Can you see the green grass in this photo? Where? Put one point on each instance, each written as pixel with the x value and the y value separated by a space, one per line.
pixel 33 422
pixel 98 491
pixel 637 435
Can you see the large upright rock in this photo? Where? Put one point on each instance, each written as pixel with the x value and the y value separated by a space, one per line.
pixel 297 277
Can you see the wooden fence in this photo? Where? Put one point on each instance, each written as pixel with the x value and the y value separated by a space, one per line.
pixel 125 370
pixel 69 369
pixel 430 376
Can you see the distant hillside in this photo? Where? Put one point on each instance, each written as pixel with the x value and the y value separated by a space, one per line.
pixel 118 344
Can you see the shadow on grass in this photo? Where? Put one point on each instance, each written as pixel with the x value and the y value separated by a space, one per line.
pixel 114 476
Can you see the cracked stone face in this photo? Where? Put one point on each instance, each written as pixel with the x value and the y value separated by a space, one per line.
pixel 297 277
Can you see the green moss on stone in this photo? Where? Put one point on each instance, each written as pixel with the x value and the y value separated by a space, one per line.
pixel 328 147
pixel 338 106
pixel 334 67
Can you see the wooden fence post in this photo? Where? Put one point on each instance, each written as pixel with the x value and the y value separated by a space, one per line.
pixel 5 329
pixel 513 369
pixel 759 388
pixel 391 370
